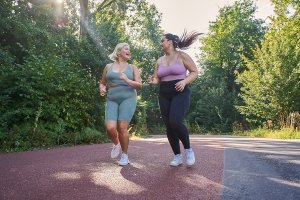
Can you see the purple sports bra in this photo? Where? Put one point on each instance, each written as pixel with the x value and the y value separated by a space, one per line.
pixel 175 71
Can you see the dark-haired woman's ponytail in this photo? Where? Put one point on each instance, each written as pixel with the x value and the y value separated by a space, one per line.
pixel 187 39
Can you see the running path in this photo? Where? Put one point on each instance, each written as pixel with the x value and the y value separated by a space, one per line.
pixel 88 173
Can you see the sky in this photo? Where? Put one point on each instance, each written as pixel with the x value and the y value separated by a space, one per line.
pixel 195 15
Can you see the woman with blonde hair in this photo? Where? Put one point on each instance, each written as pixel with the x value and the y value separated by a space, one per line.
pixel 119 83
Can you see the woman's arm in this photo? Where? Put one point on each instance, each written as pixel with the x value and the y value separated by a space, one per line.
pixel 191 67
pixel 153 79
pixel 102 82
pixel 136 83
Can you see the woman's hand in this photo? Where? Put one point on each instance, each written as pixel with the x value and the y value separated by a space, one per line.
pixel 153 80
pixel 179 86
pixel 102 90
pixel 123 76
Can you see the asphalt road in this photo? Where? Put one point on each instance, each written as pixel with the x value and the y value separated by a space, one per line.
pixel 226 168
pixel 261 169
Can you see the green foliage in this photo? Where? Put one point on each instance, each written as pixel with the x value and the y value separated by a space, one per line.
pixel 51 63
pixel 271 83
pixel 49 71
pixel 52 84
pixel 50 91
pixel 154 120
pixel 234 33
pixel 139 121
pixel 285 133
pixel 195 128
pixel 212 108
pixel 157 129
pixel 89 135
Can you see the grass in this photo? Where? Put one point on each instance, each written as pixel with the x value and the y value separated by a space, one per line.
pixel 285 133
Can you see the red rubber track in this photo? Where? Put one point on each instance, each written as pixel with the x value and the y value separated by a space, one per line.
pixel 88 173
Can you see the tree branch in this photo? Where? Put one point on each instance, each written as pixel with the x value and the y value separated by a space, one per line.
pixel 104 4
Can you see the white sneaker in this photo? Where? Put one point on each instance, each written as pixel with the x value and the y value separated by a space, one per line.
pixel 115 152
pixel 190 157
pixel 123 160
pixel 177 160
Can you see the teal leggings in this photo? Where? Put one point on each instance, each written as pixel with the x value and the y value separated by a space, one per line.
pixel 120 103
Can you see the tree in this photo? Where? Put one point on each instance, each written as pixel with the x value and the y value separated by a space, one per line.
pixel 49 74
pixel 234 33
pixel 271 83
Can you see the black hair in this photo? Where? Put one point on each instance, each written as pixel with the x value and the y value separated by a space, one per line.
pixel 185 41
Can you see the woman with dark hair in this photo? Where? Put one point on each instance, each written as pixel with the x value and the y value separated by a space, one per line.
pixel 174 94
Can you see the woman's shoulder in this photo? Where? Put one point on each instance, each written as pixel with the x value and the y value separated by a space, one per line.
pixel 108 65
pixel 184 56
pixel 132 66
pixel 159 60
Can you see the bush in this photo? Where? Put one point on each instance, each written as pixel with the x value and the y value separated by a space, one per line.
pixel 46 101
pixel 286 133
pixel 92 136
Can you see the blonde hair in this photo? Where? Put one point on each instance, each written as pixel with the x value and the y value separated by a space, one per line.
pixel 114 55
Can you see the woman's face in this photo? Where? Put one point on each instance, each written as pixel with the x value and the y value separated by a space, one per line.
pixel 164 43
pixel 124 53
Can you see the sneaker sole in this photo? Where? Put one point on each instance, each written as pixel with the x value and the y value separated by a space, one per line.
pixel 175 165
pixel 190 164
pixel 122 164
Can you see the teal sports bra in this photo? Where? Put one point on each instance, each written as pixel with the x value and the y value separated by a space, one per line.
pixel 113 78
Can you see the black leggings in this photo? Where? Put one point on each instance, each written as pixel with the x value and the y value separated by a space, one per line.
pixel 173 106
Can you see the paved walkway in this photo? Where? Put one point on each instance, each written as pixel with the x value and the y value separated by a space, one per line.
pixel 88 173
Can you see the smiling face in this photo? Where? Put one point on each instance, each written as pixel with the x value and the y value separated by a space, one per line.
pixel 124 53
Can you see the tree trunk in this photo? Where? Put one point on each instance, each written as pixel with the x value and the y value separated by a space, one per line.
pixel 83 17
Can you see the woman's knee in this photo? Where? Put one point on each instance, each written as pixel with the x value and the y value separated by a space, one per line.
pixel 175 123
pixel 123 128
pixel 111 128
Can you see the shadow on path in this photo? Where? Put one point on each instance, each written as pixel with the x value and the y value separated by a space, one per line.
pixel 87 172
